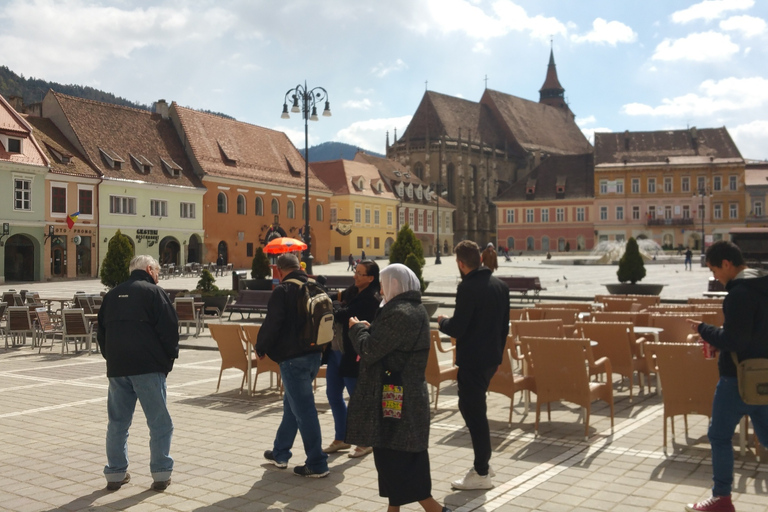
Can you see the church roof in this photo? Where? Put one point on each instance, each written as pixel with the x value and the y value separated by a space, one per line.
pixel 572 174
pixel 551 82
pixel 691 146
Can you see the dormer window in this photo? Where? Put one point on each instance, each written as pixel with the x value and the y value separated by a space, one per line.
pixel 171 167
pixel 409 191
pixel 408 175
pixel 228 153
pixel 141 163
pixel 14 145
pixel 418 193
pixel 400 189
pixel 398 174
pixel 361 184
pixel 379 187
pixel 58 155
pixel 560 187
pixel 112 159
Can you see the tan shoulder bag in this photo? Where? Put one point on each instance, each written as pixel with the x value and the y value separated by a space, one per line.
pixel 753 380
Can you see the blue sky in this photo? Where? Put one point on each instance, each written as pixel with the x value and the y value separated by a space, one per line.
pixel 625 65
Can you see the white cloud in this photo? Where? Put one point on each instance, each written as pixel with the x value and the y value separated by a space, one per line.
pixel 371 134
pixel 727 95
pixel 381 70
pixel 582 121
pixel 480 48
pixel 750 139
pixel 589 133
pixel 699 47
pixel 607 32
pixel 363 104
pixel 749 26
pixel 709 10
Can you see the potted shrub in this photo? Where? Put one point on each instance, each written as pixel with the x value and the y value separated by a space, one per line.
pixel 632 269
pixel 407 250
pixel 261 272
pixel 210 294
pixel 114 269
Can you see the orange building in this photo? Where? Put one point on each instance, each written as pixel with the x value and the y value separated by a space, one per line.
pixel 255 182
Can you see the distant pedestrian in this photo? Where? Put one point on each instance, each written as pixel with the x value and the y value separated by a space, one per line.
pixel 688 259
pixel 489 258
pixel 362 255
pixel 138 333
pixel 351 261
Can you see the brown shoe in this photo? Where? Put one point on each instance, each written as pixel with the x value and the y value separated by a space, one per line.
pixel 114 486
pixel 336 446
pixel 161 485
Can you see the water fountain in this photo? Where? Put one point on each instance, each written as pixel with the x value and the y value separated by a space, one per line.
pixel 611 251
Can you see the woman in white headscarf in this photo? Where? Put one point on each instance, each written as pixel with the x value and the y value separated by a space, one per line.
pixel 394 420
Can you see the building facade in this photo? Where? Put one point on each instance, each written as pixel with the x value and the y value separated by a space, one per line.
pixel 756 188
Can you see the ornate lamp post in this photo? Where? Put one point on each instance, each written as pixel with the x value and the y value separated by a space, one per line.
pixel 702 192
pixel 304 100
pixel 439 189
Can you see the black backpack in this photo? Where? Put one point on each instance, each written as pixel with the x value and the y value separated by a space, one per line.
pixel 316 311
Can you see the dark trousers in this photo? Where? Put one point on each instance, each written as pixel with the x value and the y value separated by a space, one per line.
pixel 473 386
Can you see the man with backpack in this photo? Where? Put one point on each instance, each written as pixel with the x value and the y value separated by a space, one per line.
pixel 283 337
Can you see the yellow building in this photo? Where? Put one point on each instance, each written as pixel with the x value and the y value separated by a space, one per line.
pixel 362 209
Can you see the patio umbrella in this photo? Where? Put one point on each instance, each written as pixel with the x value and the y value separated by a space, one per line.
pixel 283 245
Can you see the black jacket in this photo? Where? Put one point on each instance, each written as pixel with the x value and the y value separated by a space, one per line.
pixel 279 334
pixel 364 306
pixel 138 328
pixel 745 329
pixel 480 322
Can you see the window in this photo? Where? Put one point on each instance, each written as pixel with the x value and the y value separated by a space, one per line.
pixel 635 185
pixel 58 199
pixel 603 186
pixel 702 211
pixel 635 213
pixel 275 207
pixel 732 183
pixel 619 186
pixel 14 145
pixel 249 249
pixel 603 213
pixel 367 216
pixel 410 218
pixel 510 216
pixel 85 201
pixel 389 218
pixel 376 217
pixel 619 213
pixel 240 204
pixel 757 208
pixel 651 185
pixel 158 208
pixel 359 242
pixel 290 209
pixel 429 220
pixel 545 215
pixel 221 203
pixel 529 215
pixel 668 212
pixel 319 212
pixel 580 214
pixel 122 205
pixel 733 210
pixel 334 215
pixel 667 185
pixel 701 183
pixel 717 211
pixel 259 206
pixel 22 194
pixel 447 226
pixel 560 215
pixel 510 243
pixel 685 184
pixel 529 243
pixel 358 215
pixel 651 212
pixel 686 211
pixel 376 243
pixel 401 216
pixel 717 183
pixel 187 210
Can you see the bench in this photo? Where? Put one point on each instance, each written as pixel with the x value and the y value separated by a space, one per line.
pixel 523 285
pixel 339 282
pixel 250 301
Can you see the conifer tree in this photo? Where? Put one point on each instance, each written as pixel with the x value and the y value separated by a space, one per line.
pixel 260 265
pixel 408 251
pixel 114 269
pixel 631 266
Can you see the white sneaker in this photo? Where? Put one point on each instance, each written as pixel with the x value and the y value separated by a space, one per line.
pixel 473 481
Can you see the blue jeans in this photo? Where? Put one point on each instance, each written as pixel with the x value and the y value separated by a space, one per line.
pixel 300 413
pixel 334 390
pixel 149 389
pixel 727 410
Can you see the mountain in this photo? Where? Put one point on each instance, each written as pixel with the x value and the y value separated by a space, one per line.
pixel 32 90
pixel 334 151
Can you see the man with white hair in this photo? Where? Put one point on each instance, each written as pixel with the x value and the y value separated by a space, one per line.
pixel 139 337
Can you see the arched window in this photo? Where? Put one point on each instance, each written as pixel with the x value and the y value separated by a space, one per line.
pixel 545 243
pixel 511 243
pixel 581 243
pixel 319 212
pixel 561 244
pixel 259 207
pixel 418 170
pixel 529 245
pixel 241 204
pixel 222 203
pixel 291 210
pixel 275 207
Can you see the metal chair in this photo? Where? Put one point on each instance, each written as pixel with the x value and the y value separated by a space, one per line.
pixel 45 327
pixel 19 325
pixel 187 313
pixel 76 328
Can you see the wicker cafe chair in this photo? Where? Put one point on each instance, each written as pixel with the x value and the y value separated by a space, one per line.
pixel 638 318
pixel 562 367
pixel 264 365
pixel 538 328
pixel 689 380
pixel 507 382
pixel 676 328
pixel 234 354
pixel 436 372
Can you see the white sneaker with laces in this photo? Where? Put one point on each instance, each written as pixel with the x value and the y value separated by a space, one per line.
pixel 473 481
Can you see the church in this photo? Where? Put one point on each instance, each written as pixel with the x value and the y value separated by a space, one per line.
pixel 472 151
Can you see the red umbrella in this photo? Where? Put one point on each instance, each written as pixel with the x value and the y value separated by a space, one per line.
pixel 283 245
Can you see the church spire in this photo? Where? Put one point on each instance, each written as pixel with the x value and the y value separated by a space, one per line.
pixel 552 93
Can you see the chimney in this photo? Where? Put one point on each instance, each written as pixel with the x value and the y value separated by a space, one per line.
pixel 161 107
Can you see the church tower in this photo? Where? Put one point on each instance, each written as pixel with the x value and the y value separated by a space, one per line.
pixel 552 93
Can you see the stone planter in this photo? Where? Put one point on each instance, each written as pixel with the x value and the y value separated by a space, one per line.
pixel 217 301
pixel 431 306
pixel 634 289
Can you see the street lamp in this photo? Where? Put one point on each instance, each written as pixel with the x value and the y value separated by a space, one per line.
pixel 439 189
pixel 308 98
pixel 702 193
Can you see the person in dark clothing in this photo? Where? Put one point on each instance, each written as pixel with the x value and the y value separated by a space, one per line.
pixel 138 333
pixel 744 333
pixel 688 265
pixel 362 255
pixel 279 338
pixel 362 301
pixel 480 325
pixel 351 261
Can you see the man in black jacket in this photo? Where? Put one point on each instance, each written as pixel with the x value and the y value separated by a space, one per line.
pixel 138 335
pixel 480 325
pixel 744 333
pixel 280 339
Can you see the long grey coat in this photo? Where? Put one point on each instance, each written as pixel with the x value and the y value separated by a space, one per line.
pixel 399 336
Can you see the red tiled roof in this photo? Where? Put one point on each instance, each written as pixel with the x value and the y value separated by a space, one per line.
pixel 106 129
pixel 56 145
pixel 13 124
pixel 341 177
pixel 226 148
pixel 574 172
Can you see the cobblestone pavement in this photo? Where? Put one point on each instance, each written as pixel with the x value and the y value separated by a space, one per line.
pixel 53 422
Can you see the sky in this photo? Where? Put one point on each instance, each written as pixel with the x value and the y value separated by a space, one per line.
pixel 635 65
